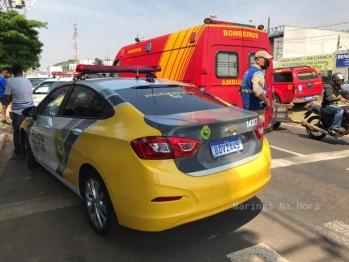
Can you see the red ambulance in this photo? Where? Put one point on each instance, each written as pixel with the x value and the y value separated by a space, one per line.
pixel 212 56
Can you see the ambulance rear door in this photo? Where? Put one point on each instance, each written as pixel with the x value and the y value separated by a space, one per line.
pixel 224 72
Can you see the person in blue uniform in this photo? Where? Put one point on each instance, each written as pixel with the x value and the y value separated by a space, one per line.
pixel 253 87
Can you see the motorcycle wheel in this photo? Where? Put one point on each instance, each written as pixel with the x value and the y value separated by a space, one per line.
pixel 316 121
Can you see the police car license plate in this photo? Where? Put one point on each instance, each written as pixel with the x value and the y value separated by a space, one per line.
pixel 307 98
pixel 226 146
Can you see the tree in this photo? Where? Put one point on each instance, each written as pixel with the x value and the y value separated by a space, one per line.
pixel 65 64
pixel 98 61
pixel 19 41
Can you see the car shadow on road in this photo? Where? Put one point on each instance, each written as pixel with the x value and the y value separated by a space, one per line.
pixel 198 235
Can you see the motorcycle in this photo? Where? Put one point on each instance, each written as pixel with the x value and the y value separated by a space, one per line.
pixel 318 126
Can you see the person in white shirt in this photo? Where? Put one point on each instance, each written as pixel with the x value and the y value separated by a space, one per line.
pixel 19 92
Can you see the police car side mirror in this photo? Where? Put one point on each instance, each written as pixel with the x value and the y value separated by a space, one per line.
pixel 30 112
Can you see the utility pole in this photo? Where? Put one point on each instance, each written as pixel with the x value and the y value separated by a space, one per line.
pixel 268 25
pixel 338 42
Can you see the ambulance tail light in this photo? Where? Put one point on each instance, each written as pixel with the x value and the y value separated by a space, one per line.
pixel 295 90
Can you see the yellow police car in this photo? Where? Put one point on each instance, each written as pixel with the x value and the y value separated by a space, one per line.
pixel 146 153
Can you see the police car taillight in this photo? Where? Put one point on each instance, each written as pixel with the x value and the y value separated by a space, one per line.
pixel 260 129
pixel 164 147
pixel 95 69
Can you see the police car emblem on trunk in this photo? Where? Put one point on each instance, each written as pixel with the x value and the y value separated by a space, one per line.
pixel 231 129
pixel 205 132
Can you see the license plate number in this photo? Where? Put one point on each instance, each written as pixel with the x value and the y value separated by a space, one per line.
pixel 226 146
pixel 307 98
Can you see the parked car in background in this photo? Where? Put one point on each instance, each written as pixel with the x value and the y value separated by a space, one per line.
pixel 147 153
pixel 35 80
pixel 41 90
pixel 299 85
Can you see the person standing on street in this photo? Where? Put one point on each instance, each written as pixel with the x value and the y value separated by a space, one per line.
pixel 4 104
pixel 253 87
pixel 19 91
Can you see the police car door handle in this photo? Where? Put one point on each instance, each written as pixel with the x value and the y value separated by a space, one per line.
pixel 76 131
pixel 47 127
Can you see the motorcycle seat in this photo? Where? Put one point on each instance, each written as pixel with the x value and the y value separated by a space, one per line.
pixel 317 108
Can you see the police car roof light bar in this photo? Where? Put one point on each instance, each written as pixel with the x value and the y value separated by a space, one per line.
pixel 65 73
pixel 95 69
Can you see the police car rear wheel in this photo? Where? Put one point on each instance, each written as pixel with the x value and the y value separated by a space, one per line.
pixel 98 205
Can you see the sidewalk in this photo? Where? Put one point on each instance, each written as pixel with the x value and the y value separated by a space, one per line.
pixel 4 130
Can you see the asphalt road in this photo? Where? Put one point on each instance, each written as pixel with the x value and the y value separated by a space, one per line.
pixel 302 215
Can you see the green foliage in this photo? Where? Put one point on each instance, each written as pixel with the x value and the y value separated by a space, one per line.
pixel 19 41
pixel 98 61
pixel 65 64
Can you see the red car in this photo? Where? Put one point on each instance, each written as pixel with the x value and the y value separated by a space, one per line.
pixel 297 84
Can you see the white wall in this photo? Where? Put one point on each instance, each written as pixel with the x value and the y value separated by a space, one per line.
pixel 299 41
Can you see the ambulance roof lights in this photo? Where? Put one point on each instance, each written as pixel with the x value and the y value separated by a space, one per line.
pixel 95 69
pixel 210 21
pixel 260 27
pixel 207 20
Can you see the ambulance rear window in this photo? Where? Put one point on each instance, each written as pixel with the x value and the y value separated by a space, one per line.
pixel 227 65
pixel 307 75
pixel 169 99
pixel 283 77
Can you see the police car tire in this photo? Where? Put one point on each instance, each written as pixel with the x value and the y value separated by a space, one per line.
pixel 32 163
pixel 112 225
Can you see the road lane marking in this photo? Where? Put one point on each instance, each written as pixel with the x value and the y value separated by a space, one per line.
pixel 335 230
pixel 257 253
pixel 29 207
pixel 298 160
pixel 287 151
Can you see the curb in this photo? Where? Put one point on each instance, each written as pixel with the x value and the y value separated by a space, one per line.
pixel 4 130
pixel 2 139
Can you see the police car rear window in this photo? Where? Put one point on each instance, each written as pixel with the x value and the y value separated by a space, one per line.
pixel 169 100
pixel 307 75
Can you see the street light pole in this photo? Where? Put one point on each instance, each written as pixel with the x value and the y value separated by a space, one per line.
pixel 256 25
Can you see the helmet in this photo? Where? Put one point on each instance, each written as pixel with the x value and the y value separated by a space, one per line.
pixel 337 76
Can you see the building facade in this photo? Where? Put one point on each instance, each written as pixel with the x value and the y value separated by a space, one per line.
pixel 318 48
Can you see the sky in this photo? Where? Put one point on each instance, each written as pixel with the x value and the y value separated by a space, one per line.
pixel 105 26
